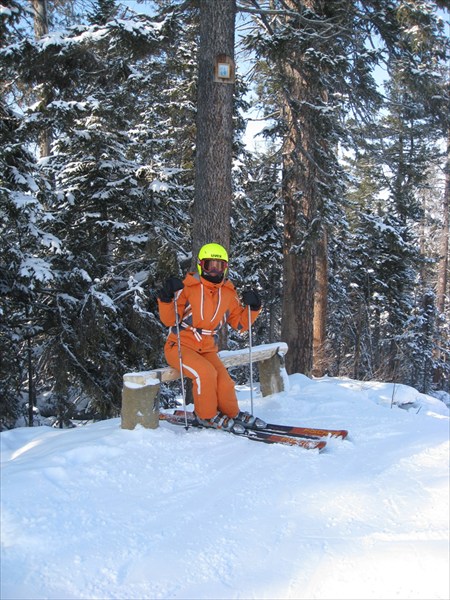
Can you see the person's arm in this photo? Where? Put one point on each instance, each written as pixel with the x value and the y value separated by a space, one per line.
pixel 238 316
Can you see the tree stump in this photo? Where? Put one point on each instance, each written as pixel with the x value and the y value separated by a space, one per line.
pixel 140 405
pixel 270 375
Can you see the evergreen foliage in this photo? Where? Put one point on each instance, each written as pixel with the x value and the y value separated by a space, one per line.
pixel 322 49
pixel 257 224
pixel 118 195
pixel 27 265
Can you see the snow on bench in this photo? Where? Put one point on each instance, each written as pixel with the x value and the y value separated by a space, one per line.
pixel 140 393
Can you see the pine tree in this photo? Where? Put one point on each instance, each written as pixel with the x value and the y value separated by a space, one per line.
pixel 319 70
pixel 27 267
pixel 256 238
pixel 308 57
pixel 382 281
pixel 119 198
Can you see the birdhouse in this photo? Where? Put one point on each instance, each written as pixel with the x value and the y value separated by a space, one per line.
pixel 224 70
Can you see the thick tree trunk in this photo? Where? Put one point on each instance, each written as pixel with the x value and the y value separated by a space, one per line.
pixel 301 223
pixel 213 190
pixel 303 153
pixel 320 308
pixel 442 283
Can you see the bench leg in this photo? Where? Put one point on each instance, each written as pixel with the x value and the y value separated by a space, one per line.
pixel 140 405
pixel 270 376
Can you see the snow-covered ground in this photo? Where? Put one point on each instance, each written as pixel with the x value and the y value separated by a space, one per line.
pixel 100 512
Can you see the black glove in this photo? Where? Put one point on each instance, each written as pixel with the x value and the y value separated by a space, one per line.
pixel 170 286
pixel 252 299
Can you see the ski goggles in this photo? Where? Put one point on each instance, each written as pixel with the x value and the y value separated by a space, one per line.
pixel 213 265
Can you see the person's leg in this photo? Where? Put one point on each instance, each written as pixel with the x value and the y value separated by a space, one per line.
pixel 226 394
pixel 204 378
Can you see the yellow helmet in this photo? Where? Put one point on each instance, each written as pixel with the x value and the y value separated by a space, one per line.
pixel 212 252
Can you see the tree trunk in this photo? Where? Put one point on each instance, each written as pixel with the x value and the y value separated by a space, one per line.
pixel 320 308
pixel 443 259
pixel 301 223
pixel 41 29
pixel 213 189
pixel 442 281
pixel 40 18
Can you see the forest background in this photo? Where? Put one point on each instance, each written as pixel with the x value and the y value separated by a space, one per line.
pixel 339 218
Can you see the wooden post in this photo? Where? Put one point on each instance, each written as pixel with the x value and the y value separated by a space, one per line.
pixel 270 378
pixel 140 405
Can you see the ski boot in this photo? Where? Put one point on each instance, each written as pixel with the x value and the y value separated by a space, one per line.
pixel 249 421
pixel 221 421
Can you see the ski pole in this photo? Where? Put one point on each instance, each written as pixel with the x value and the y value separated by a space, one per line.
pixel 250 357
pixel 183 392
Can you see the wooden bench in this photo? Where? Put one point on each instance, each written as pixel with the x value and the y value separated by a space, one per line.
pixel 140 393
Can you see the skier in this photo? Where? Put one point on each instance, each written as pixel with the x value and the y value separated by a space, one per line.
pixel 205 301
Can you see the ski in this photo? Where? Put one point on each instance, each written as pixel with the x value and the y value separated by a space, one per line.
pixel 306 432
pixel 293 431
pixel 254 435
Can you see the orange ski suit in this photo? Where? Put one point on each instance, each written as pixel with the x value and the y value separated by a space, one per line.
pixel 203 308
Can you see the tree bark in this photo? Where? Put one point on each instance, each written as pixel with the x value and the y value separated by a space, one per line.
pixel 301 222
pixel 213 189
pixel 442 279
pixel 40 29
pixel 320 308
pixel 40 18
pixel 442 282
